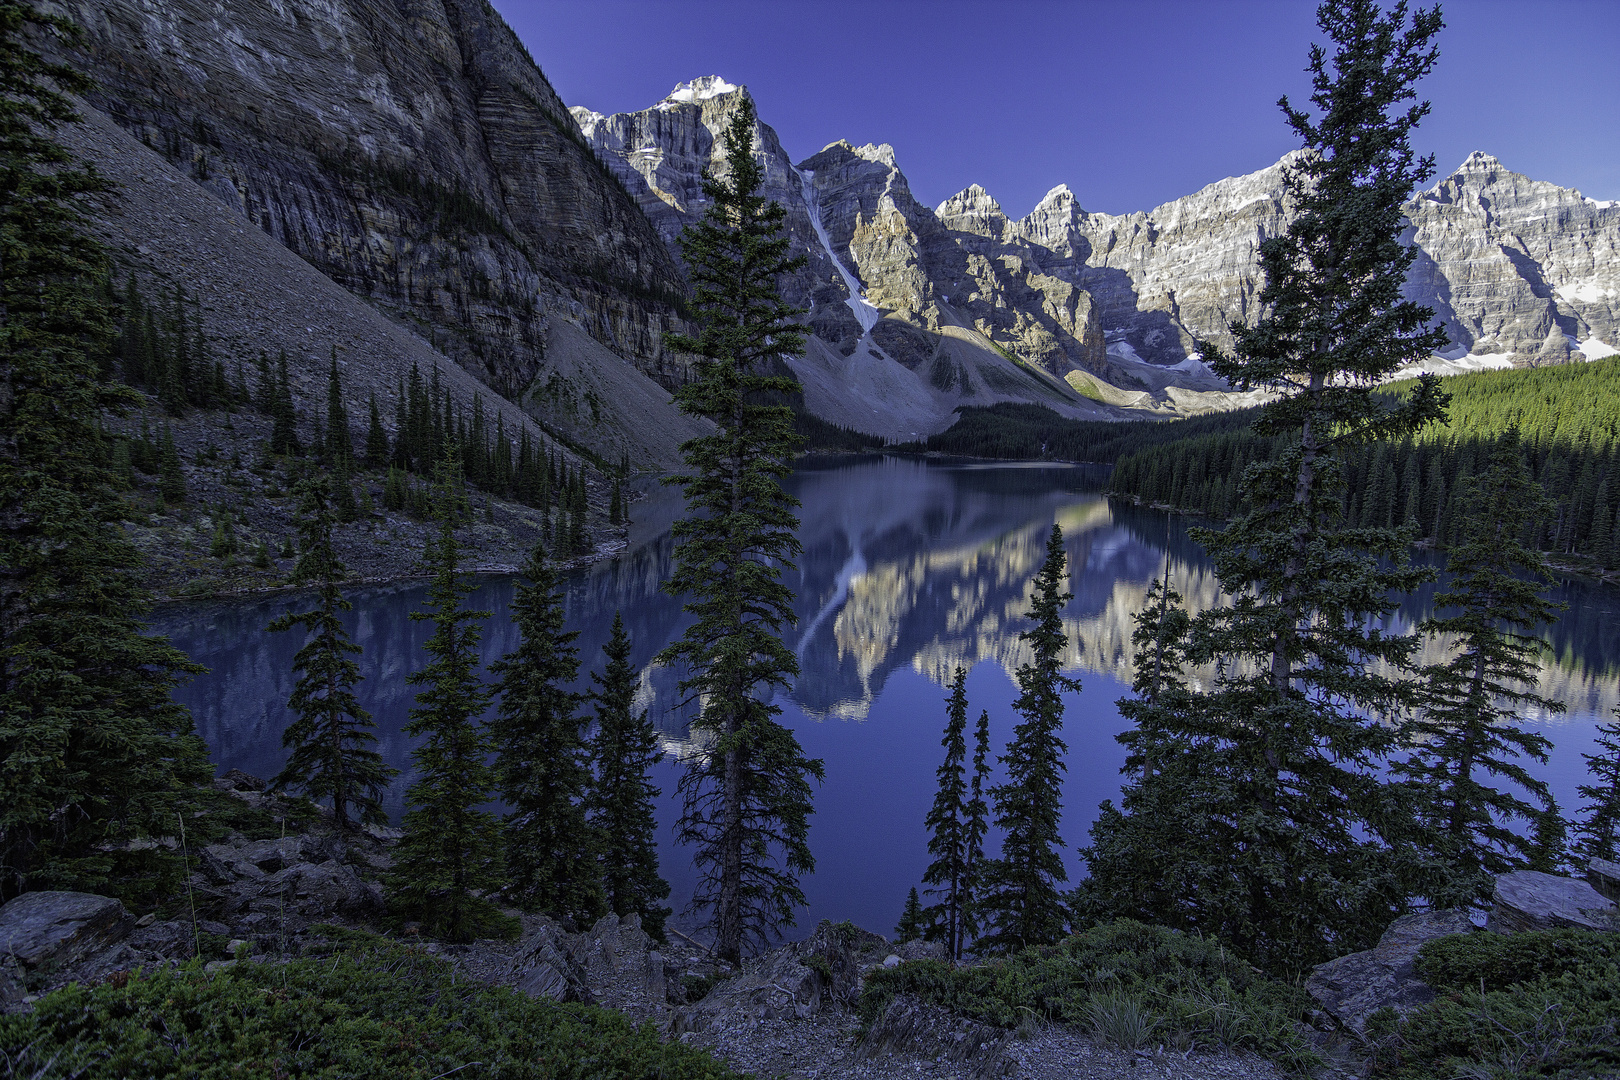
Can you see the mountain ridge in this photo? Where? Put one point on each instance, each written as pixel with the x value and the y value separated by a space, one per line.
pixel 1114 305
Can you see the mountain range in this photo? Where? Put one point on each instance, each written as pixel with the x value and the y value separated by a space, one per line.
pixel 412 153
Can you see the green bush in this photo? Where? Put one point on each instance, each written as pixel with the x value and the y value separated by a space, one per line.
pixel 1511 1007
pixel 1462 961
pixel 1122 980
pixel 387 1011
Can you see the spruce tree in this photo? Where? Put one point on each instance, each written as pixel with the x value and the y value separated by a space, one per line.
pixel 338 448
pixel 449 854
pixel 975 829
pixel 377 451
pixel 1597 832
pixel 94 753
pixel 624 750
pixel 746 800
pixel 1021 905
pixel 1165 793
pixel 331 742
pixel 171 477
pixel 913 920
pixel 947 823
pixel 1292 847
pixel 1467 738
pixel 541 760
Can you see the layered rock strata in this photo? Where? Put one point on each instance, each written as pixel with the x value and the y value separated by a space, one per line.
pixel 412 152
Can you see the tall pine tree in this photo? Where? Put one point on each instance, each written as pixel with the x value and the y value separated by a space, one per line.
pixel 449 855
pixel 746 799
pixel 1021 905
pixel 1300 848
pixel 947 823
pixel 624 749
pixel 93 751
pixel 1467 737
pixel 1597 831
pixel 333 755
pixel 541 760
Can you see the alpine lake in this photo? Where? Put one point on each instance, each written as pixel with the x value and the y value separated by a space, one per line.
pixel 910 569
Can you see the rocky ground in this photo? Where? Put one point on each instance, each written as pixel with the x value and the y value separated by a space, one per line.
pixel 789 1013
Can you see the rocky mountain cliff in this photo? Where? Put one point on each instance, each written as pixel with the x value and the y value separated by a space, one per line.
pixel 411 151
pixel 1518 271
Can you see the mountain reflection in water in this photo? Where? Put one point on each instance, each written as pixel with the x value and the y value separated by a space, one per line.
pixel 909 570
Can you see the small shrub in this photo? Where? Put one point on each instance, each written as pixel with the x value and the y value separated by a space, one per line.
pixel 1197 990
pixel 1462 961
pixel 386 1011
pixel 1511 1007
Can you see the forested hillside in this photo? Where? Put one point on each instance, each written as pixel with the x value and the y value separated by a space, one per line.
pixel 1568 417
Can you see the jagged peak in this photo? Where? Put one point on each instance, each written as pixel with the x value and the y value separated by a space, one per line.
pixel 971 198
pixel 882 153
pixel 701 88
pixel 1057 197
pixel 1479 160
pixel 587 119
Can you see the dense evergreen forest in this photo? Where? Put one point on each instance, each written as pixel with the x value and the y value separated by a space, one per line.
pixel 1568 419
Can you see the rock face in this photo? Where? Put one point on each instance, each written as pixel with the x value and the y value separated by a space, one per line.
pixel 410 151
pixel 1604 876
pixel 1352 988
pixel 45 932
pixel 1529 900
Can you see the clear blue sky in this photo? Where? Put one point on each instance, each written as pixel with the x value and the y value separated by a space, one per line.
pixel 1130 104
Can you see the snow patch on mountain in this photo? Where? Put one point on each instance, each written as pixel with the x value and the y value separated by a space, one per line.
pixel 865 313
pixel 700 89
pixel 1594 349
pixel 1589 291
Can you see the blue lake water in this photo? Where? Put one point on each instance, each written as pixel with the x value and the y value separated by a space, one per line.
pixel 910 569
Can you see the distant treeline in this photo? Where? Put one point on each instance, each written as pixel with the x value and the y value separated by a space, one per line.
pixel 1032 432
pixel 1568 417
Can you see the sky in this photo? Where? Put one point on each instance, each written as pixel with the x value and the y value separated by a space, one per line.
pixel 1131 104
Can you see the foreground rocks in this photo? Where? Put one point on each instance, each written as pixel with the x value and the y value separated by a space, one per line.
pixel 44 933
pixel 1351 988
pixel 1529 900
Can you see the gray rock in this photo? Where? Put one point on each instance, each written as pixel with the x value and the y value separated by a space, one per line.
pixel 1530 900
pixel 932 1032
pixel 798 981
pixel 1604 876
pixel 317 889
pixel 42 932
pixel 1351 988
pixel 544 968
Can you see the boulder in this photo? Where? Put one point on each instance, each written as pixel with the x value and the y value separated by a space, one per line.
pixel 932 1032
pixel 1604 876
pixel 619 965
pixel 319 889
pixel 798 980
pixel 544 968
pixel 42 932
pixel 1351 988
pixel 1531 900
